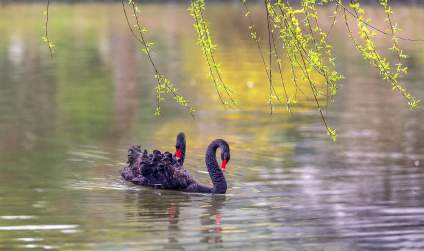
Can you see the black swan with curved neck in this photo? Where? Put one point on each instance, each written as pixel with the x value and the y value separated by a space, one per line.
pixel 163 171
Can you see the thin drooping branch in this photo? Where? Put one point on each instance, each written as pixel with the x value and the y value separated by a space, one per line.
pixel 215 65
pixel 202 41
pixel 318 45
pixel 196 9
pixel 254 35
pixel 163 85
pixel 46 38
pixel 348 11
pixel 370 53
pixel 143 40
pixel 330 77
pixel 280 69
pixel 270 55
pixel 334 19
pixel 401 69
pixel 296 44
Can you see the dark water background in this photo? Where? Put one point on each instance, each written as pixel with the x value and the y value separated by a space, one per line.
pixel 66 124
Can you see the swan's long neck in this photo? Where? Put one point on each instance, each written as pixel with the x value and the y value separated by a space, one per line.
pixel 183 150
pixel 181 143
pixel 217 176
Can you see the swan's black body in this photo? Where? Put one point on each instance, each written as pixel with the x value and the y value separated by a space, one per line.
pixel 163 171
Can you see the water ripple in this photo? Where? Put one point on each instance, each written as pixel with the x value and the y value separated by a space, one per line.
pixel 37 227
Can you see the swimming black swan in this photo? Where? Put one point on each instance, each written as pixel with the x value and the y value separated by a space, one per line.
pixel 129 173
pixel 163 171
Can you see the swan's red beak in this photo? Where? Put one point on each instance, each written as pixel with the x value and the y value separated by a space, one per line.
pixel 178 154
pixel 223 165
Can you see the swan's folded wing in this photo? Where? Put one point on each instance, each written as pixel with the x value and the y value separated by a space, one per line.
pixel 181 178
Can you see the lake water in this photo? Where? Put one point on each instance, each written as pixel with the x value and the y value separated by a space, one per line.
pixel 66 123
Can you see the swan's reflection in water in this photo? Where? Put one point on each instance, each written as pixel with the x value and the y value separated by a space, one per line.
pixel 173 220
pixel 173 212
pixel 211 220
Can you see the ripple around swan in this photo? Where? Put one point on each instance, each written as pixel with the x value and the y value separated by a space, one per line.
pixel 88 154
pixel 111 183
pixel 37 227
pixel 38 247
pixel 17 217
pixel 29 239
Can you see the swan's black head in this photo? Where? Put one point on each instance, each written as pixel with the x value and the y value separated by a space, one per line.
pixel 225 155
pixel 180 147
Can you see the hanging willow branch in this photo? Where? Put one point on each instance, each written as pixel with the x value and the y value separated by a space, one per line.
pixel 208 47
pixel 271 87
pixel 400 68
pixel 304 50
pixel 273 50
pixel 46 38
pixel 369 52
pixel 163 85
pixel 372 27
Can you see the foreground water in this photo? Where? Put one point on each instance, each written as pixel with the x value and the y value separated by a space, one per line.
pixel 66 124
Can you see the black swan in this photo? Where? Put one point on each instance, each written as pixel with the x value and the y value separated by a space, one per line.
pixel 129 173
pixel 163 171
